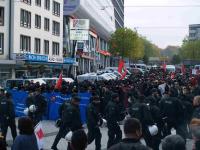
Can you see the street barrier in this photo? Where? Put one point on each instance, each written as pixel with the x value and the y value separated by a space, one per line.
pixel 54 100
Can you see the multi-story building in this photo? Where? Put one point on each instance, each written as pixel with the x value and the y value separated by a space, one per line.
pixel 93 54
pixel 6 65
pixel 37 34
pixel 119 13
pixel 194 32
pixel 31 37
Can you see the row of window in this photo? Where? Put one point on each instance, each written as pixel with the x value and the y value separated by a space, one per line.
pixel 25 45
pixel 1 43
pixel 56 5
pixel 1 16
pixel 25 21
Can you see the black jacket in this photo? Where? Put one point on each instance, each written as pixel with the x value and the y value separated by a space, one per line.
pixel 93 116
pixel 172 108
pixel 7 110
pixel 71 118
pixel 112 113
pixel 129 144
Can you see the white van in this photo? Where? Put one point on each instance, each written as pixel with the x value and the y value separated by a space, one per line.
pixel 170 68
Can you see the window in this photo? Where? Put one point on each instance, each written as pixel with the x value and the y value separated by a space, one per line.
pixel 47 4
pixel 56 8
pixel 46 47
pixel 27 1
pixel 37 45
pixel 25 43
pixel 38 3
pixel 46 24
pixel 25 20
pixel 38 21
pixel 55 48
pixel 1 43
pixel 1 16
pixel 56 28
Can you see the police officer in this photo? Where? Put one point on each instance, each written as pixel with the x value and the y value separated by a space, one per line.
pixel 7 114
pixel 173 110
pixel 94 120
pixel 70 119
pixel 142 112
pixel 38 103
pixel 113 116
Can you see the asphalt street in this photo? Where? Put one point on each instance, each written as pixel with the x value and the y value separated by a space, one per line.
pixel 50 132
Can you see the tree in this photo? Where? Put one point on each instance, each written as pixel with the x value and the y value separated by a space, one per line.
pixel 176 59
pixel 125 42
pixel 190 50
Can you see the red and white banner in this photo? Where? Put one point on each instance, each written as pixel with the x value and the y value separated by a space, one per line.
pixel 59 82
pixel 122 69
pixel 39 133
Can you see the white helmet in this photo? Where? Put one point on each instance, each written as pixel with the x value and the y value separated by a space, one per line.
pixel 153 130
pixel 68 137
pixel 32 108
pixel 104 123
pixel 26 111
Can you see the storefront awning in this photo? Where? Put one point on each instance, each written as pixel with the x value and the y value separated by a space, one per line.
pixel 106 53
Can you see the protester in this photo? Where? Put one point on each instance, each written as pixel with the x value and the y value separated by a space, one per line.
pixel 27 139
pixel 113 117
pixel 70 119
pixel 7 115
pixel 173 142
pixel 94 120
pixel 133 133
pixel 195 127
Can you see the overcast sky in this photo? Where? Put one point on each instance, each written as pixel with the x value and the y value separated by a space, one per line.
pixel 162 25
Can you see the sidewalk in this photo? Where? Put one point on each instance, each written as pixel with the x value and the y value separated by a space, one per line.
pixel 50 132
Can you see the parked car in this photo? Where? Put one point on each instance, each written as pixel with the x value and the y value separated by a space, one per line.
pixel 14 83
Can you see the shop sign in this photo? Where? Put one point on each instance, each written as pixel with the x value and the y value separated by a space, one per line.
pixel 34 57
pixel 55 59
pixel 69 61
pixel 71 6
pixel 19 56
pixel 79 24
pixel 79 35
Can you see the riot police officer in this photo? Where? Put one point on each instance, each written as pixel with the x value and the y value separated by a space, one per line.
pixel 70 119
pixel 7 114
pixel 113 117
pixel 37 104
pixel 94 120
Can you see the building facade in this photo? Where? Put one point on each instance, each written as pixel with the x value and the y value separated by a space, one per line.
pixel 6 65
pixel 194 32
pixel 93 54
pixel 31 37
pixel 119 13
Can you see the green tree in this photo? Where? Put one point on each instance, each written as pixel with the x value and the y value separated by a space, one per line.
pixel 125 42
pixel 190 50
pixel 176 59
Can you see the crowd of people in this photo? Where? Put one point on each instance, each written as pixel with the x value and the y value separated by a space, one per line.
pixel 149 106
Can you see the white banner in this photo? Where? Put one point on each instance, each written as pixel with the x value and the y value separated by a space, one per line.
pixel 55 59
pixel 39 133
pixel 80 24
pixel 79 35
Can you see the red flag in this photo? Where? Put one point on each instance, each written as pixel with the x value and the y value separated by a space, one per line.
pixel 59 82
pixel 121 65
pixel 183 69
pixel 122 69
pixel 172 75
pixel 164 67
